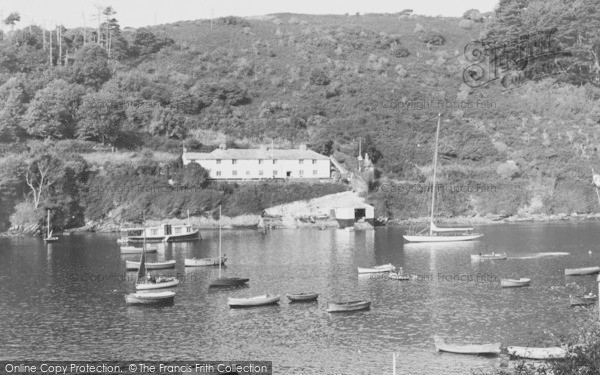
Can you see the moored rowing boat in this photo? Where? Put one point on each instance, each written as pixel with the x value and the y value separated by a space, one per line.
pixel 348 306
pixel 509 283
pixel 442 346
pixel 581 271
pixel 302 297
pixel 263 300
pixel 537 353
pixel 590 299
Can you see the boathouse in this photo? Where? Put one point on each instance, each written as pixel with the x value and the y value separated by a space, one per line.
pixel 347 216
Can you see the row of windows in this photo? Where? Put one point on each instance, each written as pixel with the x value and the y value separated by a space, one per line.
pixel 260 161
pixel 261 173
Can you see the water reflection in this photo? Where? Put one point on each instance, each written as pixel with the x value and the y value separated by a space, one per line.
pixel 54 304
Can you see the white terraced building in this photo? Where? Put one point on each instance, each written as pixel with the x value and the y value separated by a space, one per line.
pixel 263 163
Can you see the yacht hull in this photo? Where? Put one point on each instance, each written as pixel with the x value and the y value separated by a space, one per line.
pixel 441 238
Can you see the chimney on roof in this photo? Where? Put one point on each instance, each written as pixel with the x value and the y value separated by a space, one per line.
pixel 222 146
pixel 302 147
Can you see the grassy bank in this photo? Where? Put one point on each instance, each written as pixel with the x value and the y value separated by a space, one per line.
pixel 583 352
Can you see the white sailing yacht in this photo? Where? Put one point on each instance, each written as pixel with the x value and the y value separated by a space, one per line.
pixel 225 281
pixel 49 236
pixel 148 298
pixel 436 234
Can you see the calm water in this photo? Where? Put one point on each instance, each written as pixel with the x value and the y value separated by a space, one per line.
pixel 53 305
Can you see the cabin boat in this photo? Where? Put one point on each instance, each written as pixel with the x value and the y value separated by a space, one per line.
pixel 263 300
pixel 136 250
pixel 442 346
pixel 129 265
pixel 491 256
pixel 334 307
pixel 509 283
pixel 378 269
pixel 164 233
pixel 537 353
pixel 581 271
pixel 205 261
pixel 302 297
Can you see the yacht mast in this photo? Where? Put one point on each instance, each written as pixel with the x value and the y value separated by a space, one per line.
pixel 437 135
pixel 220 241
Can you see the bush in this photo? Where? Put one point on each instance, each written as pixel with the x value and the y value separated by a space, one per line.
pixel 473 15
pixel 400 52
pixel 432 37
pixel 319 78
pixel 235 21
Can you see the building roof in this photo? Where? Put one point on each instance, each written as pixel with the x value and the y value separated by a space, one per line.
pixel 254 154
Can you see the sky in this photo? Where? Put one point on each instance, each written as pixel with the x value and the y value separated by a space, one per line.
pixel 138 13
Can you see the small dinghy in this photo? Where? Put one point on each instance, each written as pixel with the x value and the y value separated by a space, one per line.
pixel 581 271
pixel 378 269
pixel 129 265
pixel 150 298
pixel 302 297
pixel 442 346
pixel 334 307
pixel 137 250
pixel 491 256
pixel 512 283
pixel 205 261
pixel 537 353
pixel 586 300
pixel 263 300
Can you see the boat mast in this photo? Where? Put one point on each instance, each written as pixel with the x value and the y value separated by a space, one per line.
pixel 220 242
pixel 437 135
pixel 142 269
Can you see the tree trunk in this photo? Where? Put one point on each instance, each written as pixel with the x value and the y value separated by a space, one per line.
pixel 99 26
pixel 83 31
pixel 59 37
pixel 50 31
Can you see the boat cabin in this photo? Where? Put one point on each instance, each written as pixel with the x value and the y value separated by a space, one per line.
pixel 162 231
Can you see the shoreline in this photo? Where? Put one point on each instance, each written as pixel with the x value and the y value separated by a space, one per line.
pixel 496 219
pixel 257 222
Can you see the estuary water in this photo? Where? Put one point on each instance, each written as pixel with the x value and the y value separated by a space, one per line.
pixel 66 300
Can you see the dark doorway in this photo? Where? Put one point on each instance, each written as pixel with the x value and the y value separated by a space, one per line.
pixel 288 174
pixel 359 213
